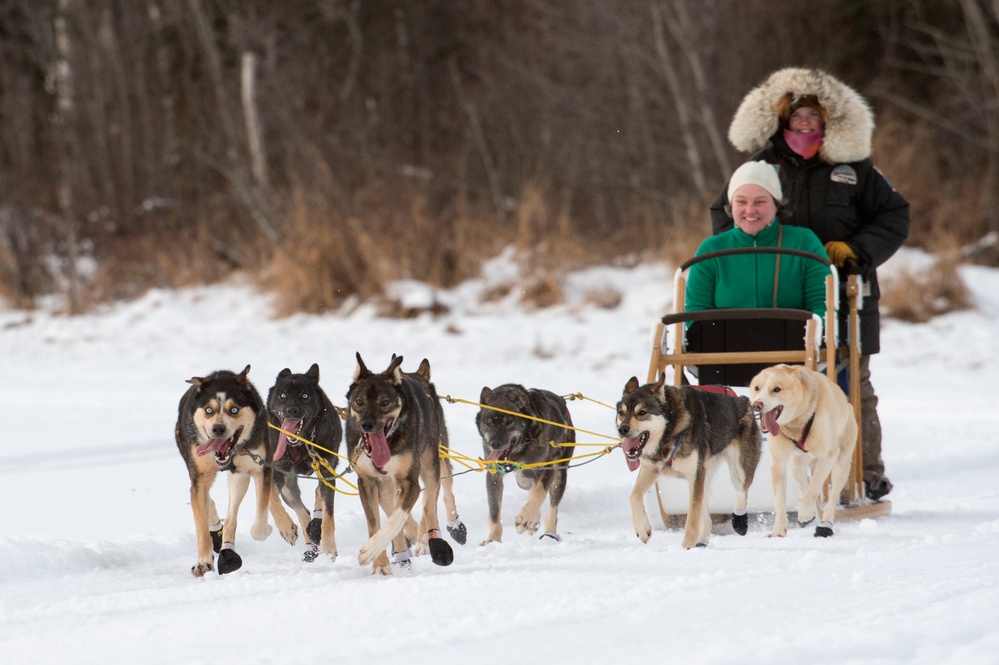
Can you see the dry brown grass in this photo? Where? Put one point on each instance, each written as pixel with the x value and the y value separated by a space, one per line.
pixel 920 296
pixel 327 258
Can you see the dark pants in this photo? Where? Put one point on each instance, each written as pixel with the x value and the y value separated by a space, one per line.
pixel 870 425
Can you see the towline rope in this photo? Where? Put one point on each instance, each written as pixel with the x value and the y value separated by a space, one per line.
pixel 318 462
pixel 470 463
pixel 510 466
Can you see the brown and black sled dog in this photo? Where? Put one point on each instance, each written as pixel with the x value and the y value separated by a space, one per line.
pixel 512 437
pixel 222 426
pixel 395 426
pixel 300 411
pixel 685 432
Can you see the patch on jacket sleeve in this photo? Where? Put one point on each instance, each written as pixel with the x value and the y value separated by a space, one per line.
pixel 884 177
pixel 844 174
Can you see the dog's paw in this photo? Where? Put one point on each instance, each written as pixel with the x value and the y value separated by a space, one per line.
pixel 314 530
pixel 261 530
pixel 368 553
pixel 777 533
pixel 643 529
pixel 806 513
pixel 199 569
pixel 440 552
pixel 290 534
pixel 458 531
pixel 690 543
pixel 740 523
pixel 528 522
pixel 379 569
pixel 331 552
pixel 216 534
pixel 229 561
pixel 824 530
pixel 489 540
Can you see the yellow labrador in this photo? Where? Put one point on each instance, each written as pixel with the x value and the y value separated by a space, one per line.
pixel 811 424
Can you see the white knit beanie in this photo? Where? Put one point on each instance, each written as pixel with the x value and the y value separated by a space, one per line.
pixel 756 173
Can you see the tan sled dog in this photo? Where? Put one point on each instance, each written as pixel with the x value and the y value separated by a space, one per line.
pixel 811 424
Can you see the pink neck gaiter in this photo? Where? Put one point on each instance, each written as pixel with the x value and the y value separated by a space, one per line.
pixel 806 145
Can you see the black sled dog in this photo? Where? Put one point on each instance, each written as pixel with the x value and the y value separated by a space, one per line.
pixel 301 409
pixel 685 432
pixel 507 436
pixel 395 424
pixel 221 426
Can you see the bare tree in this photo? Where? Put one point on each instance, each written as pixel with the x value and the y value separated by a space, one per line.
pixel 68 152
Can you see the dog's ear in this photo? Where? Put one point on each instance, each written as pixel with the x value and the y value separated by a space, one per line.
pixel 631 386
pixel 362 371
pixel 197 381
pixel 313 372
pixel 393 373
pixel 661 381
pixel 283 373
pixel 485 395
pixel 241 377
pixel 660 387
pixel 424 369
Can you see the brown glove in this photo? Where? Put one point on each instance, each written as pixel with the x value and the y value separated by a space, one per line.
pixel 839 252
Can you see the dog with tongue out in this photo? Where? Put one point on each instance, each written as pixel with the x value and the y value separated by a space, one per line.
pixel 395 426
pixel 305 434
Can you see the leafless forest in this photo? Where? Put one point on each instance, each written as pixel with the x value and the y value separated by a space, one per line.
pixel 326 147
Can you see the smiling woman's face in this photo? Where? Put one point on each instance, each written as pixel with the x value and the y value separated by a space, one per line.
pixel 805 120
pixel 753 208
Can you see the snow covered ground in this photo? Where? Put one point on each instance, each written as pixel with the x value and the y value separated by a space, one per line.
pixel 97 542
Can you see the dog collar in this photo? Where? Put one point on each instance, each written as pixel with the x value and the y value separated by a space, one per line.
pixel 804 434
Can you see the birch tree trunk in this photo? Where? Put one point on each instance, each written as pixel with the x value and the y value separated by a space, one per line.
pixel 233 167
pixel 680 101
pixel 63 120
pixel 253 137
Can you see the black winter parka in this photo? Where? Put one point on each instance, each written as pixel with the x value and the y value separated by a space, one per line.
pixel 849 202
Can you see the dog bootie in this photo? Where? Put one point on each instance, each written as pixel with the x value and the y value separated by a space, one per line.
pixel 740 523
pixel 216 533
pixel 457 530
pixel 314 530
pixel 228 559
pixel 311 553
pixel 403 559
pixel 824 530
pixel 554 536
pixel 440 552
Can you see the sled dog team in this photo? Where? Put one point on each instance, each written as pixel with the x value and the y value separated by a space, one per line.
pixel 395 426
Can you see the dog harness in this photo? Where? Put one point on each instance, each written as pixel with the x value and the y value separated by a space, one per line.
pixel 672 453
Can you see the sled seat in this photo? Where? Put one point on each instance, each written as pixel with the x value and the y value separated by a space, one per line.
pixel 730 346
pixel 749 339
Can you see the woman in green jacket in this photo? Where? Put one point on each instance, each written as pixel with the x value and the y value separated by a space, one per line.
pixel 748 280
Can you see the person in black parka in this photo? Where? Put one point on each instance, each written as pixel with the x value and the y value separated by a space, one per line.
pixel 817 131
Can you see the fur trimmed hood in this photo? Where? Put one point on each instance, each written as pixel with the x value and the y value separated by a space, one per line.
pixel 848 130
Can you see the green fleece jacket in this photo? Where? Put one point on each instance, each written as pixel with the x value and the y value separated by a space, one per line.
pixel 748 280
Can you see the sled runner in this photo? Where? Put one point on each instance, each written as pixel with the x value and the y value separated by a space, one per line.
pixel 728 347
